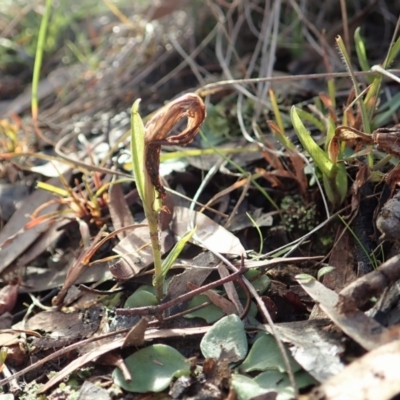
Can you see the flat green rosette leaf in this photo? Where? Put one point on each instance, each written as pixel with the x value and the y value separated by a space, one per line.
pixel 210 313
pixel 265 355
pixel 152 369
pixel 281 383
pixel 246 388
pixel 269 382
pixel 226 337
pixel 142 297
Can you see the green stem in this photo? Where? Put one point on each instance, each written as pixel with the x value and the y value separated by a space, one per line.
pixel 151 209
pixel 39 58
pixel 152 219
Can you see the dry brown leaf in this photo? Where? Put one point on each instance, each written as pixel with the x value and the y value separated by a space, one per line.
pixel 372 377
pixel 364 330
pixel 328 104
pixel 60 325
pixel 352 136
pixel 135 337
pixel 342 259
pixel 221 302
pixel 136 253
pixel 362 176
pixel 76 269
pixel 298 166
pixel 8 296
pixel 38 280
pixel 14 239
pixel 119 211
pixel 230 290
pixel 197 272
pixel 212 236
pixel 392 179
pixel 43 243
pixel 316 349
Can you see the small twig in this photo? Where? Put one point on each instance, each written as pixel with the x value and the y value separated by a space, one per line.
pixel 88 167
pixel 372 284
pixel 222 85
pixel 60 353
pixel 15 389
pixel 157 310
pixel 207 303
pixel 76 269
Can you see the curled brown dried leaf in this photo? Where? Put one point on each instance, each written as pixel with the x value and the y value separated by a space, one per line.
pixel 386 139
pixel 188 106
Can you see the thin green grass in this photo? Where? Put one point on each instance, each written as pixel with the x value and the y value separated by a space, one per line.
pixel 371 257
pixel 39 58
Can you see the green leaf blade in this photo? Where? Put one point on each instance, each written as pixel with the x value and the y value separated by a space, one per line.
pixel 266 355
pixel 225 336
pixel 137 148
pixel 317 154
pixel 152 369
pixel 172 256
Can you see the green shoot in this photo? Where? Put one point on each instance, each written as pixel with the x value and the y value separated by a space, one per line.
pixel 371 257
pixel 172 256
pixel 145 189
pixel 333 174
pixel 39 58
pixel 146 144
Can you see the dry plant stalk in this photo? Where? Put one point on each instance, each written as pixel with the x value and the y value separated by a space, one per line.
pixel 188 106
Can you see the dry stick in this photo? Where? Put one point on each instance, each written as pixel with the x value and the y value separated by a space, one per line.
pixel 243 314
pixel 361 290
pixel 261 304
pixel 188 59
pixel 238 202
pixel 14 387
pixel 205 181
pixel 131 312
pixel 60 353
pixel 93 339
pixel 221 85
pixel 76 270
pixel 219 47
pixel 313 29
pixel 157 310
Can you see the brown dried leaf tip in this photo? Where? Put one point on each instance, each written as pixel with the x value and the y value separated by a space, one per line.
pixel 188 106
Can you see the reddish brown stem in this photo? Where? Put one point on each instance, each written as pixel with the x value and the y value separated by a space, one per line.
pixel 157 310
